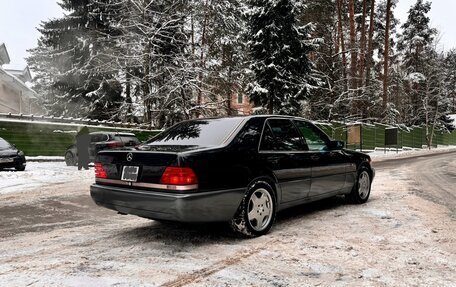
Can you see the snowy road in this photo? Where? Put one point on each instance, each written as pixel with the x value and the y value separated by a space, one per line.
pixel 405 235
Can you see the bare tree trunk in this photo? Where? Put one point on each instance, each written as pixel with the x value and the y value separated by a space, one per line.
pixel 128 101
pixel 369 46
pixel 337 36
pixel 199 100
pixel 353 53
pixel 193 34
pixel 228 90
pixel 271 106
pixel 386 54
pixel 362 54
pixel 145 85
pixel 342 41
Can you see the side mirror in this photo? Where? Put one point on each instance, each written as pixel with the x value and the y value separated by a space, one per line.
pixel 336 145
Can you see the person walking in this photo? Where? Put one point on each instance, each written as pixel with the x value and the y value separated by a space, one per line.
pixel 82 145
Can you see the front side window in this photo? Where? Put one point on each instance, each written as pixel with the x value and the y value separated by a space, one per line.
pixel 316 140
pixel 280 135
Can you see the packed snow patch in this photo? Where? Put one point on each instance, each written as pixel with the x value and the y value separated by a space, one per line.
pixel 40 174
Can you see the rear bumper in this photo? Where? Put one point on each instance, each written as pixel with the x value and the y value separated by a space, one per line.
pixel 212 206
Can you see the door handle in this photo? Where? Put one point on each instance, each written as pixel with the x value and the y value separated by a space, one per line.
pixel 314 157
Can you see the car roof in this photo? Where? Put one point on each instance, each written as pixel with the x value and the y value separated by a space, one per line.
pixel 113 133
pixel 253 116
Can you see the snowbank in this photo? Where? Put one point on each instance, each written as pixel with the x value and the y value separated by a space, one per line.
pixel 379 154
pixel 44 158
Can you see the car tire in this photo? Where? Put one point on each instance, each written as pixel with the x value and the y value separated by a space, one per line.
pixel 361 190
pixel 69 159
pixel 257 211
pixel 20 168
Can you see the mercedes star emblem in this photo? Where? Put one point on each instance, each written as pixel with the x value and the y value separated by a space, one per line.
pixel 129 156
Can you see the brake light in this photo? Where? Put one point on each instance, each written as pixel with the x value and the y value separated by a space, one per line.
pixel 179 176
pixel 100 172
pixel 114 144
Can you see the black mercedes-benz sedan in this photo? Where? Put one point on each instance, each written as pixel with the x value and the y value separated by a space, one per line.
pixel 241 170
pixel 11 157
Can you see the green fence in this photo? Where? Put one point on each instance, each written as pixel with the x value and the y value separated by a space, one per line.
pixel 52 139
pixel 374 136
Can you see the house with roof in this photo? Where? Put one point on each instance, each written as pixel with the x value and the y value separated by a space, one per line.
pixel 15 96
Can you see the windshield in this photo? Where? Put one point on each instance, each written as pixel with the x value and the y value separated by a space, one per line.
pixel 210 132
pixel 4 144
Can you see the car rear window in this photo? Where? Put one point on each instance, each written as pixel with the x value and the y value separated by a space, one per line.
pixel 127 139
pixel 210 132
pixel 98 138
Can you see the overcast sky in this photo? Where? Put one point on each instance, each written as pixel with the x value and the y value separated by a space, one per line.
pixel 19 19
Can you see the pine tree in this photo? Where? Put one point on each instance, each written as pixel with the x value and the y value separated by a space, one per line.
pixel 221 53
pixel 67 63
pixel 323 15
pixel 416 45
pixel 278 48
pixel 386 55
pixel 450 79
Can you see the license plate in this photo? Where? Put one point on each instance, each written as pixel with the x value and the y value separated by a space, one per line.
pixel 6 160
pixel 130 173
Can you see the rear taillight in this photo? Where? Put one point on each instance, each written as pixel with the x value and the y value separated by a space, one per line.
pixel 100 172
pixel 178 176
pixel 114 144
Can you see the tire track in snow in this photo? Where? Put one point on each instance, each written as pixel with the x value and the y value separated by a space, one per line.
pixel 201 274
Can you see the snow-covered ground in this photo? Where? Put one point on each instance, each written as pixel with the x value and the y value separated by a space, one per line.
pixel 40 174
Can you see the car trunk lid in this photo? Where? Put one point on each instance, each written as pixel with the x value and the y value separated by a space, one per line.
pixel 136 168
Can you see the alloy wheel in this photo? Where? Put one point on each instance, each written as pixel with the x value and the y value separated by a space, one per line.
pixel 260 209
pixel 363 185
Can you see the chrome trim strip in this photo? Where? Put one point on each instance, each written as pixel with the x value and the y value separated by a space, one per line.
pixel 112 181
pixel 148 185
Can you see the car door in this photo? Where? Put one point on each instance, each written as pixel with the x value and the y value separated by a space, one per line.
pixel 328 166
pixel 284 152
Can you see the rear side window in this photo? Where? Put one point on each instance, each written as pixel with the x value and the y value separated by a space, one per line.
pixel 281 135
pixel 210 132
